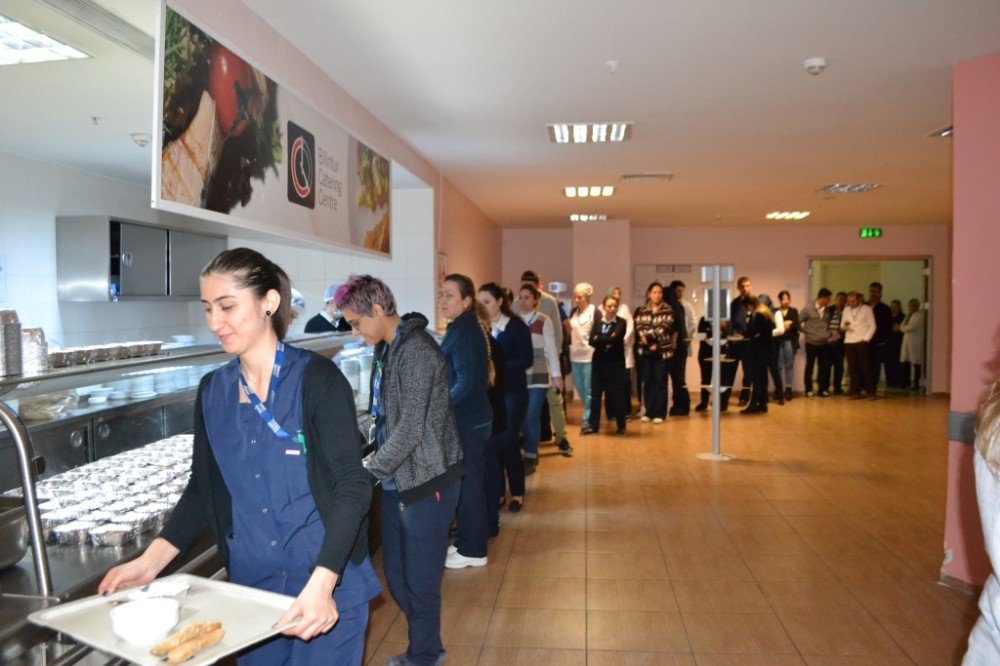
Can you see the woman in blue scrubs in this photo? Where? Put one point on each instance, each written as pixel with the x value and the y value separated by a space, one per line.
pixel 276 473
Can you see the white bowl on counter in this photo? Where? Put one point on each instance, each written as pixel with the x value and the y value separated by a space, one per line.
pixel 145 621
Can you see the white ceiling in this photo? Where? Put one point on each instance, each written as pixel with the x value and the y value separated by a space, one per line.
pixel 716 89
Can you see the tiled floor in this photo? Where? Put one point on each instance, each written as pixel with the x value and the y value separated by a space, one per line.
pixel 820 543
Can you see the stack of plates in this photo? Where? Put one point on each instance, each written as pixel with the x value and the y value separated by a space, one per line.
pixel 142 387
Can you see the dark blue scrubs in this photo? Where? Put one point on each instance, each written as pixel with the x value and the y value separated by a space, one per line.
pixel 277 530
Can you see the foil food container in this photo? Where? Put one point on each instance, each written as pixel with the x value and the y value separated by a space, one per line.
pixel 140 522
pixel 112 535
pixel 73 533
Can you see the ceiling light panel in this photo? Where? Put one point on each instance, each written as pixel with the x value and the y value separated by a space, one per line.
pixel 590 191
pixel 614 132
pixel 20 44
pixel 788 215
pixel 848 188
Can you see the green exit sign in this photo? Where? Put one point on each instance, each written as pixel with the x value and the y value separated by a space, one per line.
pixel 870 232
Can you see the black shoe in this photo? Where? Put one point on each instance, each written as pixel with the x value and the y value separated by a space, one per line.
pixel 515 506
pixel 753 409
pixel 620 432
pixel 564 448
pixel 529 466
pixel 587 430
pixel 788 393
pixel 701 406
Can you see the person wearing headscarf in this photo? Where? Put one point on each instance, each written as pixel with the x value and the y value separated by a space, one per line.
pixel 580 352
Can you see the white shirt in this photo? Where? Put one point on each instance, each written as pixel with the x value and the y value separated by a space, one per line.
pixel 500 325
pixel 548 341
pixel 625 313
pixel 862 324
pixel 580 324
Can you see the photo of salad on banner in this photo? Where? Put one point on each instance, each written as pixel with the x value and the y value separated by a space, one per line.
pixel 373 177
pixel 220 121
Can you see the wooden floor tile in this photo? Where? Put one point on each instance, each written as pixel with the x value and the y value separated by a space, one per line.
pixel 504 656
pixel 535 592
pixel 543 541
pixel 706 566
pixel 621 658
pixel 943 636
pixel 630 594
pixel 748 659
pixel 839 633
pixel 788 567
pixel 737 633
pixel 810 597
pixel 645 631
pixel 548 565
pixel 537 628
pixel 623 541
pixel 702 596
pixel 626 565
pixel 460 626
pixel 470 587
pixel 457 655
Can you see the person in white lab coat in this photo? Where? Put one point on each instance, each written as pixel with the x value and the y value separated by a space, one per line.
pixel 912 353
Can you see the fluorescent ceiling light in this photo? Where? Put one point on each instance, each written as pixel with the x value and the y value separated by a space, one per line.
pixel 589 132
pixel 848 188
pixel 591 191
pixel 21 44
pixel 581 217
pixel 788 215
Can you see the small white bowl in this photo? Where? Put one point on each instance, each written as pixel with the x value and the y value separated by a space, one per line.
pixel 145 621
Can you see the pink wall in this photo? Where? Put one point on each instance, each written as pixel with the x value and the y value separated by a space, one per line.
pixel 468 238
pixel 775 257
pixel 975 357
pixel 601 257
pixel 548 252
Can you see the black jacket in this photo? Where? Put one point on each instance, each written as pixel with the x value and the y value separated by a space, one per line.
pixel 320 324
pixel 608 348
pixel 340 486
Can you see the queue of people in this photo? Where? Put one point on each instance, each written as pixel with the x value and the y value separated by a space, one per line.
pixel 277 470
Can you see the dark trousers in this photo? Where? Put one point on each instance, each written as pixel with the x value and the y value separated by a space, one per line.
pixel 772 367
pixel 414 546
pixel 759 360
pixel 858 358
pixel 820 353
pixel 654 385
pixel 904 374
pixel 878 353
pixel 471 515
pixel 627 391
pixel 605 382
pixel 493 483
pixel 837 364
pixel 740 352
pixel 727 368
pixel 510 452
pixel 677 370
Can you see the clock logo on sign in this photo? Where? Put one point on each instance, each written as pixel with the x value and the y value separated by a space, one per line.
pixel 301 166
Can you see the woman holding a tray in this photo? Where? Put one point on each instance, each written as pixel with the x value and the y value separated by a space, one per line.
pixel 276 473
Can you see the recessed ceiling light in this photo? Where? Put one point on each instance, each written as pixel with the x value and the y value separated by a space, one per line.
pixel 590 191
pixel 580 217
pixel 788 215
pixel 647 175
pixel 848 188
pixel 20 44
pixel 589 132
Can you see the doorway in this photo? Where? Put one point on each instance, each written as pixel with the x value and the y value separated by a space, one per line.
pixel 902 279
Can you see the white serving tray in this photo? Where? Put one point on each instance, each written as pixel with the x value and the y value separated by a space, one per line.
pixel 248 616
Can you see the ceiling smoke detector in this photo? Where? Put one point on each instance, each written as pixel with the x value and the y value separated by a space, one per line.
pixel 815 66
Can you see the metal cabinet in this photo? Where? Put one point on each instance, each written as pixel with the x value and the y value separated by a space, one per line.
pixel 60 447
pixel 189 253
pixel 100 258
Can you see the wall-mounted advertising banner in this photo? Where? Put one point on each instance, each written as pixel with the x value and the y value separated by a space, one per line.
pixel 237 148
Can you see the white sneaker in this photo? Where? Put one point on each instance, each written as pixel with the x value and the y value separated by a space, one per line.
pixel 644 419
pixel 458 561
pixel 452 549
pixel 657 420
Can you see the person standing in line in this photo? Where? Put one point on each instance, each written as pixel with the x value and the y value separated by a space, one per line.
pixel 548 305
pixel 788 341
pixel 580 351
pixel 814 321
pixel 625 312
pixel 878 347
pixel 761 333
pixel 543 373
pixel 678 364
pixel 837 353
pixel 656 341
pixel 515 338
pixel 494 482
pixel 772 362
pixel 858 324
pixel 276 473
pixel 895 348
pixel 607 337
pixel 912 353
pixel 727 365
pixel 739 324
pixel 466 349
pixel 417 458
pixel 329 318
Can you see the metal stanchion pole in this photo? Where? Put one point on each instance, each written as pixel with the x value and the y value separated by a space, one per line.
pixel 716 274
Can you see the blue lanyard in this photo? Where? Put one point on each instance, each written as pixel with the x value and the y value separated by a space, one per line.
pixel 377 389
pixel 259 407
